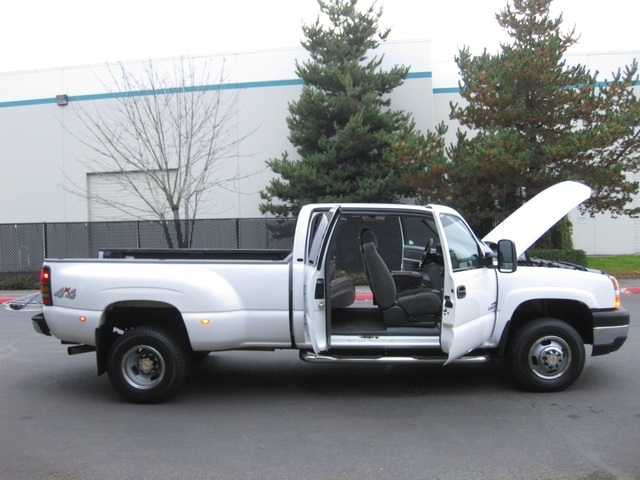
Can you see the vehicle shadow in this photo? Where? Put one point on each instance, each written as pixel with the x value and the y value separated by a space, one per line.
pixel 237 374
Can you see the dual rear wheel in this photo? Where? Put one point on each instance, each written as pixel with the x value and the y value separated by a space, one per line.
pixel 146 365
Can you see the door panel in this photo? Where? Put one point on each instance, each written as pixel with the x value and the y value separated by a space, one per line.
pixel 411 257
pixel 315 312
pixel 470 310
pixel 315 289
pixel 470 291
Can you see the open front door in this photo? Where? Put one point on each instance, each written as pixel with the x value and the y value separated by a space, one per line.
pixel 315 287
pixel 470 292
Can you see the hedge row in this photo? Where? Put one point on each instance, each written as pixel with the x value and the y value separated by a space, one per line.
pixel 577 257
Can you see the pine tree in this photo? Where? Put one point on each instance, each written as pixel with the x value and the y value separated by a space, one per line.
pixel 341 126
pixel 536 121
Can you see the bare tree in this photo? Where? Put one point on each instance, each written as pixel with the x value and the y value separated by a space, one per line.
pixel 164 141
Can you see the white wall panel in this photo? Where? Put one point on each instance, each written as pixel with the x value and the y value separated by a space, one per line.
pixel 43 177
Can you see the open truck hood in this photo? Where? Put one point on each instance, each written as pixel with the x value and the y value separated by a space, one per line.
pixel 534 218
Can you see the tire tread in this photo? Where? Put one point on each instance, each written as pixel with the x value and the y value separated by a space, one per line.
pixel 521 344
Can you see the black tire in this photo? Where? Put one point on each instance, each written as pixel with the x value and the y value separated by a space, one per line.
pixel 146 365
pixel 546 355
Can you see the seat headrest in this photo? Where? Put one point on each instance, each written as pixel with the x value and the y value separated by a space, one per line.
pixel 367 236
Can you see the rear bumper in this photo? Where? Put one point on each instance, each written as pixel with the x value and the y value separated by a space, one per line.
pixel 610 330
pixel 40 324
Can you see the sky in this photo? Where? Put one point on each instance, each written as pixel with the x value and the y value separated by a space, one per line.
pixel 44 34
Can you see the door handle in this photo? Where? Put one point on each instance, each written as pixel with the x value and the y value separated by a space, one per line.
pixel 461 291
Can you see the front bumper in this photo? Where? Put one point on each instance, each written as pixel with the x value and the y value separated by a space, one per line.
pixel 610 330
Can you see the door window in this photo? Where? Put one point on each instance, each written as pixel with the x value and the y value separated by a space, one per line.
pixel 321 225
pixel 317 229
pixel 418 231
pixel 464 250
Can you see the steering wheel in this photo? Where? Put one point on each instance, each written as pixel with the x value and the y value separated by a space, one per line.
pixel 425 254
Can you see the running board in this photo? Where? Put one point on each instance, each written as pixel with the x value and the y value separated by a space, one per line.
pixel 312 357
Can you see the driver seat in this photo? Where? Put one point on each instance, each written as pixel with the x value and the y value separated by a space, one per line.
pixel 411 306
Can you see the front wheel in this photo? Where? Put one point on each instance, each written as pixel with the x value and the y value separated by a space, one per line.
pixel 547 355
pixel 146 365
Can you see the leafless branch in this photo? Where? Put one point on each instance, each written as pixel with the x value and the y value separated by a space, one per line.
pixel 164 138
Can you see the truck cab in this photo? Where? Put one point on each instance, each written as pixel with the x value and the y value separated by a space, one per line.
pixel 433 284
pixel 440 294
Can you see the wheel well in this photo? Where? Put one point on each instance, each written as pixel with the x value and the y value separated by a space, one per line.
pixel 126 315
pixel 575 313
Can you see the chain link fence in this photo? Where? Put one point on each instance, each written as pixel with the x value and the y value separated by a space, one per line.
pixel 23 247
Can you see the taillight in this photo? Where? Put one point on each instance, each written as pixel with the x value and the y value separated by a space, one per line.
pixel 45 286
pixel 616 291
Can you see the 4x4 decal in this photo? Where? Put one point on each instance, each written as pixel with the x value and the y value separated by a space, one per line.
pixel 66 292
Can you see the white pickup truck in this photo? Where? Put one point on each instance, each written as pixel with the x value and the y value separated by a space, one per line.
pixel 440 295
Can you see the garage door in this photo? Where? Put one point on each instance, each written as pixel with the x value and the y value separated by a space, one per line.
pixel 122 196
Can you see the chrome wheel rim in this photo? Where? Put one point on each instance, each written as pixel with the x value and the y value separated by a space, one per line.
pixel 549 357
pixel 143 367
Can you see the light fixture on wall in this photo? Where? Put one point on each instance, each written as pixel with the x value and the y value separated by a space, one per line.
pixel 62 100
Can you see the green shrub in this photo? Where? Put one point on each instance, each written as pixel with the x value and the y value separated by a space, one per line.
pixel 558 237
pixel 358 278
pixel 577 257
pixel 20 283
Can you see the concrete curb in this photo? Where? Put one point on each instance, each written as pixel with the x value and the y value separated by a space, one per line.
pixel 364 297
pixel 629 290
pixel 367 297
pixel 10 295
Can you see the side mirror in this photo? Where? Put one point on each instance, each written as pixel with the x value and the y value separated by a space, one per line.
pixel 507 257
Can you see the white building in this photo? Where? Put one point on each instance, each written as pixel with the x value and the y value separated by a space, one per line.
pixel 40 151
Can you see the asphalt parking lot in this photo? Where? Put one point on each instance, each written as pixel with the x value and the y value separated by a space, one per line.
pixel 268 415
